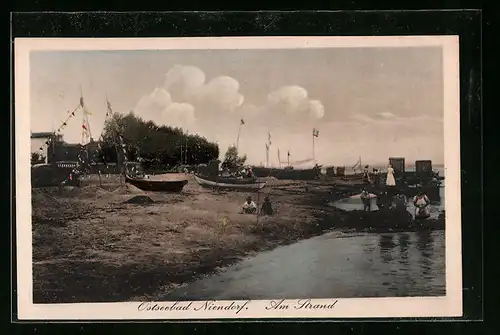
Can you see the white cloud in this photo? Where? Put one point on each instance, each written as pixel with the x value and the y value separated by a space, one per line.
pixel 290 98
pixel 184 92
pixel 387 115
pixel 179 115
pixel 222 91
pixel 150 106
pixel 189 78
pixel 294 100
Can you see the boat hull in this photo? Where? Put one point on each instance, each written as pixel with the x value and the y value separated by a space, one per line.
pixel 171 186
pixel 225 183
pixel 288 174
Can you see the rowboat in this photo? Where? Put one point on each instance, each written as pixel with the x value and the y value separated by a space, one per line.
pixel 229 183
pixel 171 186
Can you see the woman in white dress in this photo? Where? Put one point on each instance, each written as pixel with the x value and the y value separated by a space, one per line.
pixel 390 184
pixel 390 181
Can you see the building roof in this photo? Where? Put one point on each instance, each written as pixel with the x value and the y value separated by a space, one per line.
pixel 45 134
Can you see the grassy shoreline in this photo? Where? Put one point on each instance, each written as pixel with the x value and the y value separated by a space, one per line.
pixel 91 246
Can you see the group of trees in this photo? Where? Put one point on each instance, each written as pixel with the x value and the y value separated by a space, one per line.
pixel 232 161
pixel 155 146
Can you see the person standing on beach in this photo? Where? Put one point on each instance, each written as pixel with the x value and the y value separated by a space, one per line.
pixel 366 176
pixel 390 181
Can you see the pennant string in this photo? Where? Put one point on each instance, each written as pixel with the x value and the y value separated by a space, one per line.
pixel 64 124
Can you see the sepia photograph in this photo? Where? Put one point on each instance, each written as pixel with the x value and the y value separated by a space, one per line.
pixel 191 178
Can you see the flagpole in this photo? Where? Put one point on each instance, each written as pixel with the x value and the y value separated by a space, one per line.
pixel 279 158
pixel 288 157
pixel 314 156
pixel 267 155
pixel 238 138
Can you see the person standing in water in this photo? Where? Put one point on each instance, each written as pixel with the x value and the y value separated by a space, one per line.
pixel 421 203
pixel 365 198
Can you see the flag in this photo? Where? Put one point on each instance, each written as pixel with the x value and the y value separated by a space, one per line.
pixel 289 153
pixel 242 122
pixel 315 132
pixel 81 101
pixel 109 111
pixel 267 146
pixel 269 138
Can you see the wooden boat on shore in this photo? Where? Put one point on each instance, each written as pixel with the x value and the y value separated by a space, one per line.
pixel 171 186
pixel 243 184
pixel 286 173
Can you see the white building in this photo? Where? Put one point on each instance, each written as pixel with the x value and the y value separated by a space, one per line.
pixel 38 140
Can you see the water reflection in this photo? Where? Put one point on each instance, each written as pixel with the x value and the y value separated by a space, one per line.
pixel 404 240
pixel 424 245
pixel 386 244
pixel 359 265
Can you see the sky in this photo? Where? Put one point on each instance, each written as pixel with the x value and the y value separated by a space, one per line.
pixel 372 103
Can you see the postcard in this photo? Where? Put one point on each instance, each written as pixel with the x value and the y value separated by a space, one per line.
pixel 237 178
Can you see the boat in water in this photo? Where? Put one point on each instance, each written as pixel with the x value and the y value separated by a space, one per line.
pixel 231 183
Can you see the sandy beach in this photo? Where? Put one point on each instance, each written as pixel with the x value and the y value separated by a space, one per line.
pixel 115 242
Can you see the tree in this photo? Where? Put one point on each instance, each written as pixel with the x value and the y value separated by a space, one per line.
pixel 231 160
pixel 37 158
pixel 156 146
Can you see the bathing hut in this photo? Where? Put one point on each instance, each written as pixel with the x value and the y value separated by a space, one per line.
pixel 340 170
pixel 330 171
pixel 423 168
pixel 398 164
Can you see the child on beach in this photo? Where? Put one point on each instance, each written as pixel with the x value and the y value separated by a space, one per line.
pixel 267 208
pixel 249 206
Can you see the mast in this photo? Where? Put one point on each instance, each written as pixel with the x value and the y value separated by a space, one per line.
pixel 181 151
pixel 267 155
pixel 279 158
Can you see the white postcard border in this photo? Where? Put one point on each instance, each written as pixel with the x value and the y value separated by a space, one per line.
pixel 448 306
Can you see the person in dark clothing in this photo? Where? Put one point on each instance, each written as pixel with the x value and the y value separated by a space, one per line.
pixel 381 200
pixel 376 177
pixel 366 176
pixel 365 198
pixel 267 207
